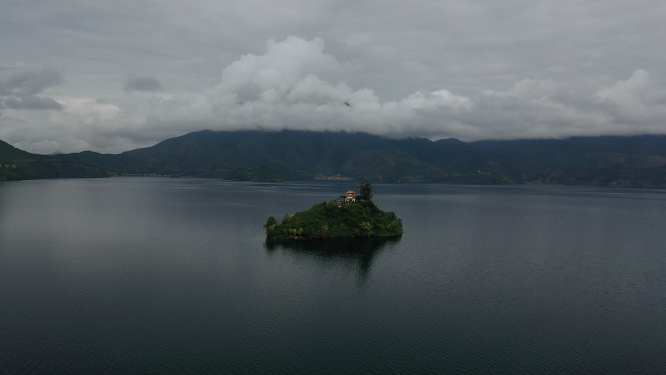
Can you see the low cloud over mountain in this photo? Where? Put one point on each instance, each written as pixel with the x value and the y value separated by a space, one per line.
pixel 282 89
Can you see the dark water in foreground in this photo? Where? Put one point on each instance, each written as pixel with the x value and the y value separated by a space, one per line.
pixel 141 275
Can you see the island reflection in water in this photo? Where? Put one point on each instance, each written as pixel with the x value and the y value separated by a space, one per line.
pixel 354 253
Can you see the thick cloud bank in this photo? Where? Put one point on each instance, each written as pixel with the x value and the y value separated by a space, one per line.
pixel 282 89
pixel 285 88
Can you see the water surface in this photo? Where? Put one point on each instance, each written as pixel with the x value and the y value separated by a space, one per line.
pixel 152 275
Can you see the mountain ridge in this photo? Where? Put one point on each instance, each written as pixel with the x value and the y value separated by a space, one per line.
pixel 301 155
pixel 17 165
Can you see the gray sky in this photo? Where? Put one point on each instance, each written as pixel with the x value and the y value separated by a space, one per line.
pixel 113 76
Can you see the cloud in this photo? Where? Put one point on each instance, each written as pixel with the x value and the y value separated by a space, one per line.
pixel 20 85
pixel 32 102
pixel 27 82
pixel 473 70
pixel 144 83
pixel 281 89
pixel 285 87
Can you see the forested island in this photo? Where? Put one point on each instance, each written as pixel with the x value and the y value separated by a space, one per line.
pixel 349 216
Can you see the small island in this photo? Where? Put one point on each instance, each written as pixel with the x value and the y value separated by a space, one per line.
pixel 348 216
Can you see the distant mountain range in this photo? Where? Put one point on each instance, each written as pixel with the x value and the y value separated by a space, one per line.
pixel 16 164
pixel 302 155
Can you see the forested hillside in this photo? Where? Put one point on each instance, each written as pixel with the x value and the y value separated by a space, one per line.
pixel 303 155
pixel 16 164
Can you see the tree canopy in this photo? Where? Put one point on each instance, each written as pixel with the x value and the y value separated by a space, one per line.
pixel 328 220
pixel 366 190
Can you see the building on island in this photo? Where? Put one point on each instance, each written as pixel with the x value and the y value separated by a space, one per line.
pixel 350 197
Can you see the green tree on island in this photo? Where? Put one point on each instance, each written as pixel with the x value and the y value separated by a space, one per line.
pixel 271 221
pixel 366 227
pixel 366 190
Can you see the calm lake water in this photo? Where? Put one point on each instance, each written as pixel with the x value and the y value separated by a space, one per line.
pixel 153 275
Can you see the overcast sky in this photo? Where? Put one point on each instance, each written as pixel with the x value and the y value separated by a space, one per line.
pixel 111 76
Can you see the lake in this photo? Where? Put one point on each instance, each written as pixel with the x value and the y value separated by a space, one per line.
pixel 156 275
